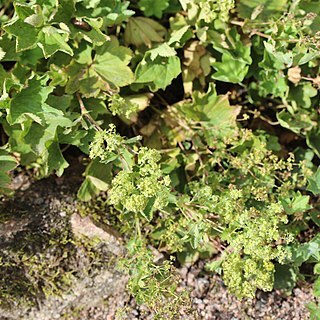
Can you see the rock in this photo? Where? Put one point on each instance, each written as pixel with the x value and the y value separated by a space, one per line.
pixel 50 267
pixel 84 294
pixel 12 226
pixel 21 182
pixel 190 279
pixel 183 272
pixel 86 227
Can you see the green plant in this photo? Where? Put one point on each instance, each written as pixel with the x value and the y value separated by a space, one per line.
pixel 153 283
pixel 200 120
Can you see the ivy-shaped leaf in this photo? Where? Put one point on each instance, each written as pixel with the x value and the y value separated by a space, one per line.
pixel 143 31
pixel 53 159
pixel 51 40
pixel 296 203
pixel 111 63
pixel 308 251
pixel 153 8
pixel 229 69
pixel 30 102
pixel 94 34
pixel 148 210
pixel 158 73
pixel 314 183
pixel 25 33
pixel 7 163
pixel 97 178
pixel 163 50
pixel 29 29
pixel 212 108
pixel 313 139
pixel 297 122
pixel 235 59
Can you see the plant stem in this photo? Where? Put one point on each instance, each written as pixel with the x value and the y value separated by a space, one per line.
pixel 86 114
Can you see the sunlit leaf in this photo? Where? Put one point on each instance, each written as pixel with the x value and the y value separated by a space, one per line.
pixel 111 63
pixel 153 8
pixel 157 73
pixel 143 31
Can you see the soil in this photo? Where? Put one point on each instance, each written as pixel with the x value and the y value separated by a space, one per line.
pixel 98 289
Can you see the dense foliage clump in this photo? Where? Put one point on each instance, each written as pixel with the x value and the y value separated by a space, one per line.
pixel 199 119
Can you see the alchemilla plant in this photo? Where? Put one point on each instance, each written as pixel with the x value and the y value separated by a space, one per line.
pixel 199 120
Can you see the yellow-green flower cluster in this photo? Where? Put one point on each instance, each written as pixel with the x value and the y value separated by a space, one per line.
pixel 254 235
pixel 134 189
pixel 213 9
pixel 244 275
pixel 122 107
pixel 105 143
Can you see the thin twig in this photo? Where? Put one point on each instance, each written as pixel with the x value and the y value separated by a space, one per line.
pixel 86 114
pixel 162 99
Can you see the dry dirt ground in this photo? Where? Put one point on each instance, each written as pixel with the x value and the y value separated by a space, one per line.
pixel 47 271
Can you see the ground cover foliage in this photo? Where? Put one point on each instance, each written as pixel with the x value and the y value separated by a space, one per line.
pixel 199 121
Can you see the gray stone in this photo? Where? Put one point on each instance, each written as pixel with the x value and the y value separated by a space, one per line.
pixel 86 227
pixel 50 235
